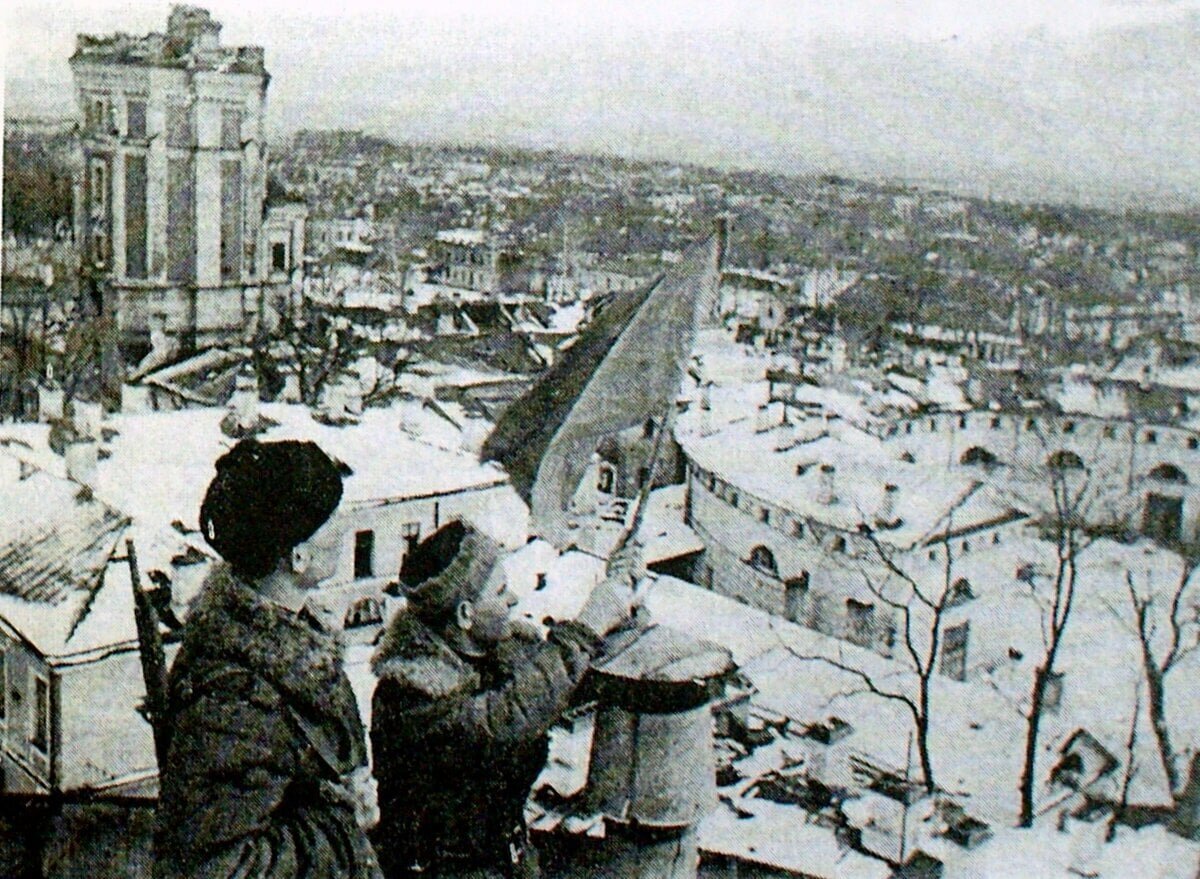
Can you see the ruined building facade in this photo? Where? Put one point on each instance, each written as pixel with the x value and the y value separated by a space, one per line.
pixel 170 204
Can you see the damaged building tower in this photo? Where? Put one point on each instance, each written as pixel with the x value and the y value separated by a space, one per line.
pixel 170 205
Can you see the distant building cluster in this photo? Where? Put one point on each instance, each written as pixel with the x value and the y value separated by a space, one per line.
pixel 931 478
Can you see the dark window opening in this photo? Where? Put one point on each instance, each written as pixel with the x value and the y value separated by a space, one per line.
pixel 279 256
pixel 960 593
pixel 1064 459
pixel 1162 518
pixel 606 482
pixel 41 715
pixel 762 559
pixel 860 622
pixel 231 129
pixel 977 455
pixel 179 126
pixel 135 119
pixel 135 216
pixel 1052 695
pixel 954 652
pixel 364 554
pixel 794 591
pixel 1169 473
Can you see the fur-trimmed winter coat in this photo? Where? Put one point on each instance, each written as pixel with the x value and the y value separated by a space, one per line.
pixel 264 732
pixel 458 743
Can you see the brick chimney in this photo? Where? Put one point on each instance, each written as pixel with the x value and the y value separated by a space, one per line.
pixel 826 487
pixel 81 456
pixel 886 517
pixel 50 403
pixel 333 403
pixel 243 404
pixel 86 417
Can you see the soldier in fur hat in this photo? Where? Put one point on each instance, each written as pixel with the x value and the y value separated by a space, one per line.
pixel 462 710
pixel 266 759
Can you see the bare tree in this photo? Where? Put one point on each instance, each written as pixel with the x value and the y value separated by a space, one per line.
pixel 1067 528
pixel 1167 627
pixel 921 610
pixel 317 348
pixel 1130 765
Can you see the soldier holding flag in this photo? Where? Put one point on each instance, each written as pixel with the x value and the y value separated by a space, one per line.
pixel 460 719
pixel 463 706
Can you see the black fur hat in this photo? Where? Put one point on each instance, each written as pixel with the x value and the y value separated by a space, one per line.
pixel 267 498
pixel 451 565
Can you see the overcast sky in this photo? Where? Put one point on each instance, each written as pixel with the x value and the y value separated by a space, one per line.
pixel 1086 98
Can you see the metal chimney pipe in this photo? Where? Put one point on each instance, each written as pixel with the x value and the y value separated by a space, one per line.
pixel 652 774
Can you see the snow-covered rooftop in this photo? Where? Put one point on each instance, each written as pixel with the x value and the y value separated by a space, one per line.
pixel 777 836
pixel 793 478
pixel 1078 850
pixel 161 463
pixel 970 742
pixel 67 551
pixel 463 237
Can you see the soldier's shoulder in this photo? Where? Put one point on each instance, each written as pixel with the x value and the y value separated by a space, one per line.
pixel 428 676
pixel 415 659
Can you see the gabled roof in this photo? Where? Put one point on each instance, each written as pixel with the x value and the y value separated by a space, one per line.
pixel 57 539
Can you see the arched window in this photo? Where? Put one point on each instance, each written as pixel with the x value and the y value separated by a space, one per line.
pixel 762 559
pixel 364 612
pixel 960 593
pixel 1064 459
pixel 1169 473
pixel 977 455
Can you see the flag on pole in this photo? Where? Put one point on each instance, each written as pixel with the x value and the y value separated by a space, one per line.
pixel 624 368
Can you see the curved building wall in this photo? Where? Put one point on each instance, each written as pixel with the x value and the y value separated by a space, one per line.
pixel 811 573
pixel 1152 469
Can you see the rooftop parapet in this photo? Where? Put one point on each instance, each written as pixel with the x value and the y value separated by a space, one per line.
pixel 192 41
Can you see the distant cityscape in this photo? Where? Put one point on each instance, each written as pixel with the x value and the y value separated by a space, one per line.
pixel 933 479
